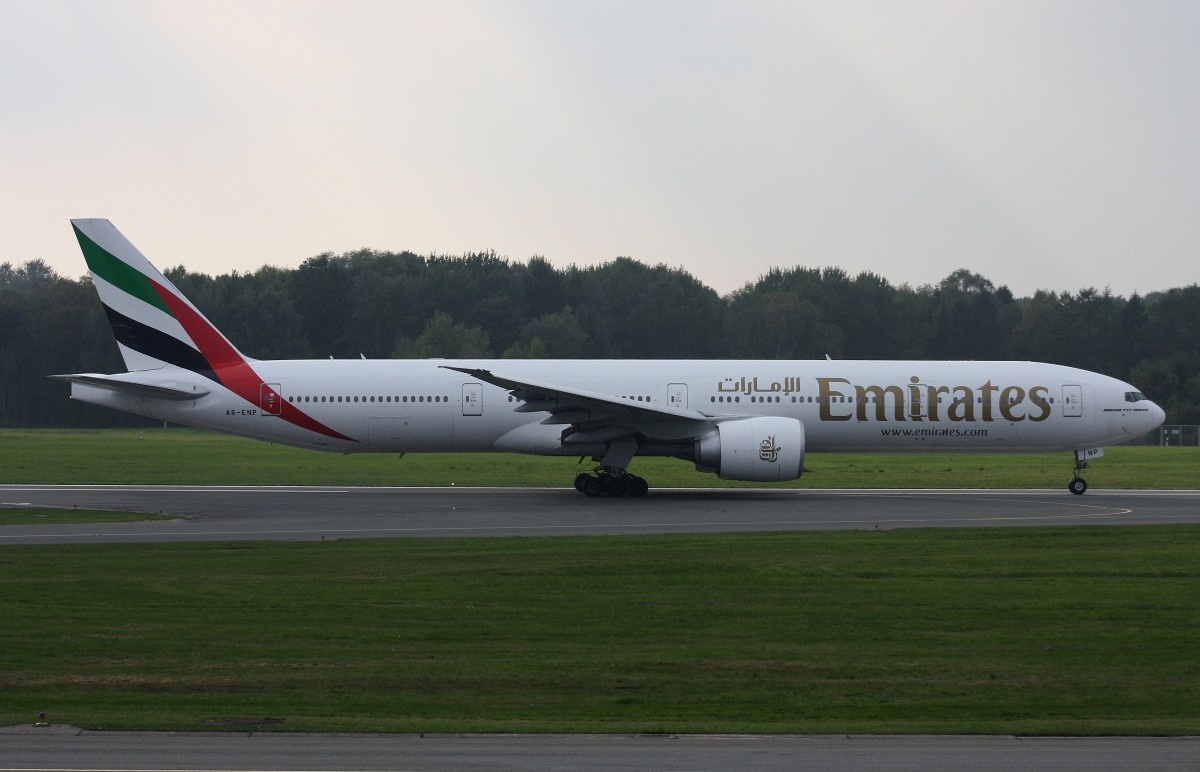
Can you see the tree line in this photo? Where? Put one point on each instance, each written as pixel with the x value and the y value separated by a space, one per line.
pixel 384 304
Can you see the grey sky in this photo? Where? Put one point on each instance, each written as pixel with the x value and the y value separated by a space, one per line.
pixel 1044 145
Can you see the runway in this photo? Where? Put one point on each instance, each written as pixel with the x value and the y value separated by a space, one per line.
pixel 298 513
pixel 26 748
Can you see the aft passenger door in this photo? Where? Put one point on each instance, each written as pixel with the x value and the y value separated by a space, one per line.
pixel 269 399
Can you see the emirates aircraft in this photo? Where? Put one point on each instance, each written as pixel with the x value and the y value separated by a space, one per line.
pixel 742 419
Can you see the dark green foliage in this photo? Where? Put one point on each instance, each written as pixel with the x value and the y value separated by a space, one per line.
pixel 382 304
pixel 443 337
pixel 633 311
pixel 551 336
pixel 49 324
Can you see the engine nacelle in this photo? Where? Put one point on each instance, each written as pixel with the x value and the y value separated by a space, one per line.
pixel 760 449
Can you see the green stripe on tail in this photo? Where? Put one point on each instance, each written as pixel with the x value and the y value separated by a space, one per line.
pixel 117 273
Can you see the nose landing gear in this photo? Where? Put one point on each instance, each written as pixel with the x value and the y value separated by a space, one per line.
pixel 612 482
pixel 1078 485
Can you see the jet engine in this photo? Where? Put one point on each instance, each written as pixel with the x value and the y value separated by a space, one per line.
pixel 759 449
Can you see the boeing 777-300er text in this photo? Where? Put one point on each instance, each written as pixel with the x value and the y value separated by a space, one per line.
pixel 744 420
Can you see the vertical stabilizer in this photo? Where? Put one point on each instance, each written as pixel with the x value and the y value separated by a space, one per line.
pixel 154 323
pixel 157 327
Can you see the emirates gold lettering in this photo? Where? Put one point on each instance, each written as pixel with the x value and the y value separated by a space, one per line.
pixel 827 394
pixel 987 391
pixel 962 406
pixel 1038 395
pixel 935 399
pixel 838 399
pixel 1010 397
pixel 877 396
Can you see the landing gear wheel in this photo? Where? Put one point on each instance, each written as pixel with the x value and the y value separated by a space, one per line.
pixel 590 486
pixel 610 481
pixel 615 484
pixel 1078 485
pixel 638 487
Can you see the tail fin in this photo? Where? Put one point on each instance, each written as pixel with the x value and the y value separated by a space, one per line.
pixel 152 320
pixel 157 326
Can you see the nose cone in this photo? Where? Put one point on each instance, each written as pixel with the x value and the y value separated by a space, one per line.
pixel 1157 416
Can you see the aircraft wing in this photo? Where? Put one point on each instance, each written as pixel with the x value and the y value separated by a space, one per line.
pixel 133 386
pixel 592 416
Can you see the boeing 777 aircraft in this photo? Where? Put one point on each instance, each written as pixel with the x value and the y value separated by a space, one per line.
pixel 744 420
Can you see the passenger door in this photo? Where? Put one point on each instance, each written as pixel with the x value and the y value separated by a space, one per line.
pixel 472 399
pixel 1072 401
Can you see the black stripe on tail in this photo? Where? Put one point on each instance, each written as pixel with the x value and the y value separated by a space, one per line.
pixel 144 339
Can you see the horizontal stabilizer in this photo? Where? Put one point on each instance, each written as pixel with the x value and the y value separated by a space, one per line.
pixel 128 383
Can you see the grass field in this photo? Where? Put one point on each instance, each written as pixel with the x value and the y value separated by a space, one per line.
pixel 1086 630
pixel 195 457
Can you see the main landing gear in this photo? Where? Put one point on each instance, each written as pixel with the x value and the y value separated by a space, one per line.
pixel 1078 485
pixel 611 482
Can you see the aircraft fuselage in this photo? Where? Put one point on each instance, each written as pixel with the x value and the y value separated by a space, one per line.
pixel 886 406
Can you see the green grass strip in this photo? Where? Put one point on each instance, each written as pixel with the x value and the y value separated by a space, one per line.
pixel 1072 630
pixel 188 456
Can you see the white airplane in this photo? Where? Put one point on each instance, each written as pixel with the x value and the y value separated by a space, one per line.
pixel 745 420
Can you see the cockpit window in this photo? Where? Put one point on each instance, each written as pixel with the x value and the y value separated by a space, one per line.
pixel 1134 396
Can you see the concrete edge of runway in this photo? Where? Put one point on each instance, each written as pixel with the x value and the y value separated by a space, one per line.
pixel 297 513
pixel 560 489
pixel 70 729
pixel 66 747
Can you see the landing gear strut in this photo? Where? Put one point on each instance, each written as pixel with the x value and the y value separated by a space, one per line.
pixel 1078 485
pixel 612 482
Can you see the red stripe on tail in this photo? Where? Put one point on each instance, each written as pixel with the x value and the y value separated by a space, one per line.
pixel 231 369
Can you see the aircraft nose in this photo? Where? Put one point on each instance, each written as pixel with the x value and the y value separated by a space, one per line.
pixel 1157 415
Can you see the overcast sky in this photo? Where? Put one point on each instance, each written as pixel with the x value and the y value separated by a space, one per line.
pixel 1047 145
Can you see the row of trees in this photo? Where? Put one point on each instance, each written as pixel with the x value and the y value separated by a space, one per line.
pixel 382 304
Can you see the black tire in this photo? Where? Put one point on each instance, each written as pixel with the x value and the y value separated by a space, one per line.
pixel 579 478
pixel 591 487
pixel 638 487
pixel 1077 486
pixel 616 485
